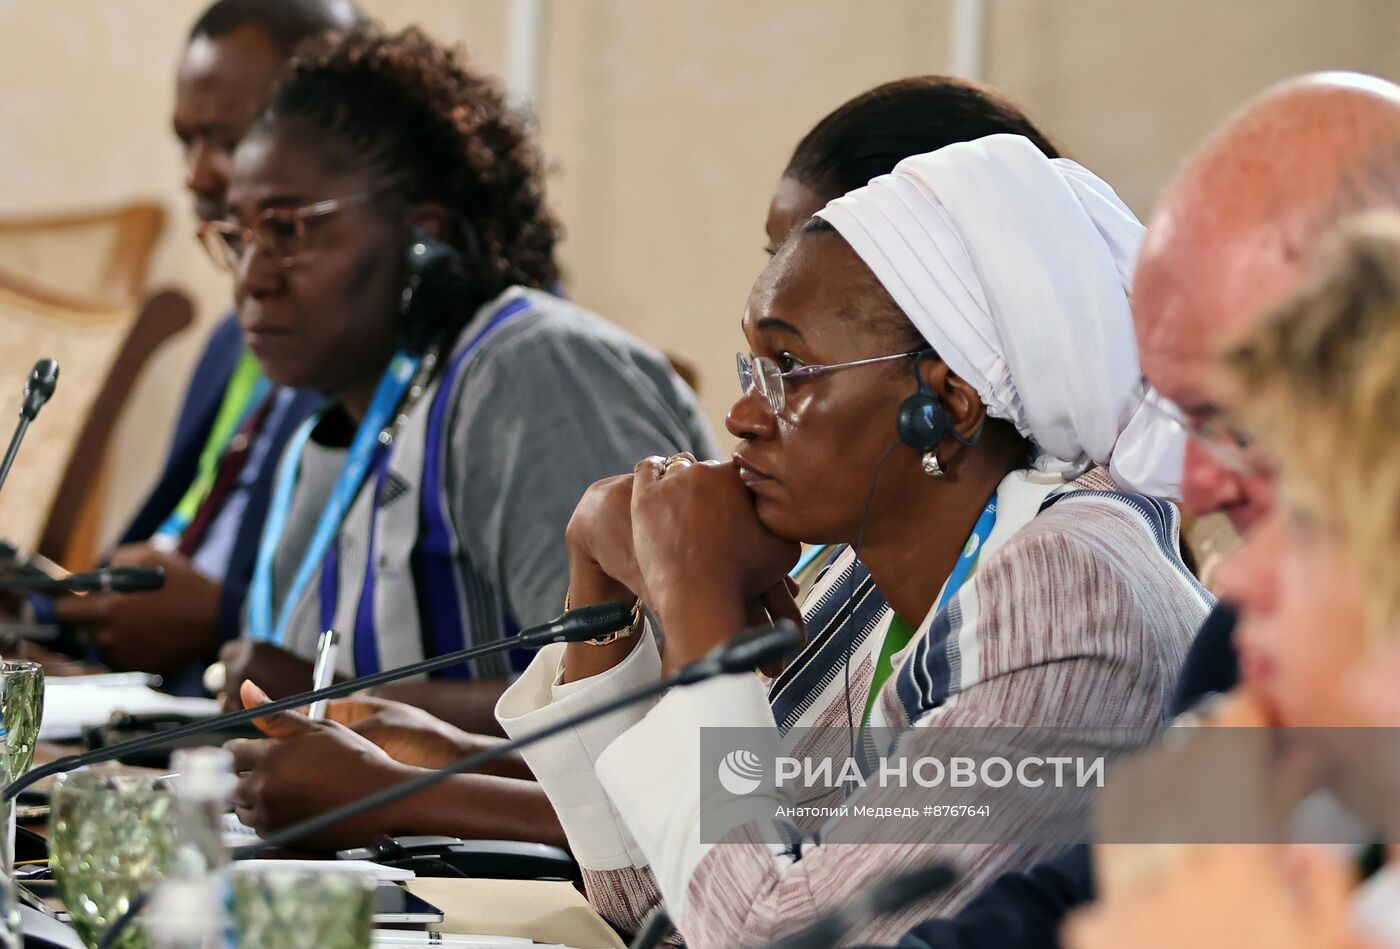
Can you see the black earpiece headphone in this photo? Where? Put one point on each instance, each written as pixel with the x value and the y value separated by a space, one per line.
pixel 435 292
pixel 922 421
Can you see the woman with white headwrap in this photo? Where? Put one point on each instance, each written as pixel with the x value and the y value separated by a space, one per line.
pixel 945 380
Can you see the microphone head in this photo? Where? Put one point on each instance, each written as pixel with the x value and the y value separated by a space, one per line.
pixel 134 579
pixel 588 622
pixel 752 648
pixel 894 894
pixel 888 896
pixel 577 624
pixel 40 385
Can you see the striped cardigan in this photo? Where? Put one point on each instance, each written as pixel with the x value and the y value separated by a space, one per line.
pixel 1078 614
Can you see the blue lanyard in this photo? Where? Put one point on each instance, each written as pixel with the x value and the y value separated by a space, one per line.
pixel 980 532
pixel 898 635
pixel 808 555
pixel 433 554
pixel 360 458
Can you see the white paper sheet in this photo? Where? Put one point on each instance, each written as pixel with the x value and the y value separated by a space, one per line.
pixel 380 872
pixel 71 704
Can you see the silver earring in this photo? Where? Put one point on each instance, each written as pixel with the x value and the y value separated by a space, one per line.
pixel 931 466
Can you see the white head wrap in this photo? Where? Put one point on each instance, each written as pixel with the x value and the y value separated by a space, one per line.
pixel 1017 270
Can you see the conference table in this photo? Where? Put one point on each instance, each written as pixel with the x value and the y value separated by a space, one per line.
pixel 548 912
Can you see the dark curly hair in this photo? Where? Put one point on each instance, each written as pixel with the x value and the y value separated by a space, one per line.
pixel 436 131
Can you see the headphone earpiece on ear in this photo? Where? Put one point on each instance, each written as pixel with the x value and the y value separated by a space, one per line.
pixel 922 421
pixel 435 287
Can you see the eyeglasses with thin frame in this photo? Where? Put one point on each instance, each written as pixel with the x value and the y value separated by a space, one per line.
pixel 763 373
pixel 1226 444
pixel 282 233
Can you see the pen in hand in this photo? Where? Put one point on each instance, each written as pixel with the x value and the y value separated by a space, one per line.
pixel 324 672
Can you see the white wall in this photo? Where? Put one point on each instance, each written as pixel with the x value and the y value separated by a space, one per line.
pixel 665 124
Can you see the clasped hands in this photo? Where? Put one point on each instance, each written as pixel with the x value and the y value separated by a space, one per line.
pixel 683 536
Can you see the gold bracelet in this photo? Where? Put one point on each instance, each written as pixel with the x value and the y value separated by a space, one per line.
pixel 615 635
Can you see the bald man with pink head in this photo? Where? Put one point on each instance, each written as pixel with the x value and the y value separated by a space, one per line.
pixel 1232 235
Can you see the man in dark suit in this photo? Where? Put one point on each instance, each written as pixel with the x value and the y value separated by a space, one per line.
pixel 1229 240
pixel 204 515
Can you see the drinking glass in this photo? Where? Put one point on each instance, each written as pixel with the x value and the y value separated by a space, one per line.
pixel 290 908
pixel 111 836
pixel 22 708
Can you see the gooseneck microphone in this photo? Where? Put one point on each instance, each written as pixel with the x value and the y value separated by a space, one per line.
pixel 108 579
pixel 584 622
pixel 37 389
pixel 744 653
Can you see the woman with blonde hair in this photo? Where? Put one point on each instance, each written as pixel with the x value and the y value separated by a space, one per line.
pixel 1320 588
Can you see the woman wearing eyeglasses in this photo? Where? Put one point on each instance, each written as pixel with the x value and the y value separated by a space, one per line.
pixel 943 376
pixel 391 248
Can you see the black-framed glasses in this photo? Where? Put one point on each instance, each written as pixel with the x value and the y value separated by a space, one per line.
pixel 282 233
pixel 763 374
